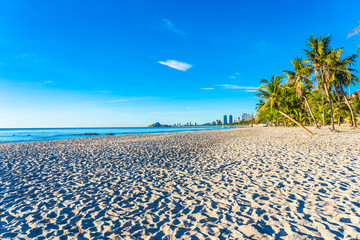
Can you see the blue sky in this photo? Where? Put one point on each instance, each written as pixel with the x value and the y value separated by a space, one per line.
pixel 134 62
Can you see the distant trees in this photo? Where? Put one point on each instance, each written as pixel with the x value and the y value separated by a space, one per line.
pixel 323 74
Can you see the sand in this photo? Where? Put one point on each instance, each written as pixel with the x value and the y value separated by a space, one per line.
pixel 254 183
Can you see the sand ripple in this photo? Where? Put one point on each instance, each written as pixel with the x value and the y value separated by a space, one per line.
pixel 259 183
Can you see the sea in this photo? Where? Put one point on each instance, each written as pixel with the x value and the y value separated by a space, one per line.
pixel 16 135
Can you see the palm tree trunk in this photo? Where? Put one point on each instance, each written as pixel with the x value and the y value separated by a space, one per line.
pixel 331 109
pixel 311 113
pixel 325 83
pixel 322 98
pixel 296 122
pixel 323 111
pixel 350 107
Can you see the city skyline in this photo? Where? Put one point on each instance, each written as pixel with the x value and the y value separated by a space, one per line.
pixel 226 119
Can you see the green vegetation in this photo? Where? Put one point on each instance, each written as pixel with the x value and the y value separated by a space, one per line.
pixel 300 100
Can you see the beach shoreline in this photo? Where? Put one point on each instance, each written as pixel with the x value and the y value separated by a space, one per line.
pixel 258 183
pixel 19 135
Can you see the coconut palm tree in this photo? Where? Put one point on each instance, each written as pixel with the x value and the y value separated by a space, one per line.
pixel 354 32
pixel 273 91
pixel 356 103
pixel 317 55
pixel 340 111
pixel 259 104
pixel 301 115
pixel 315 100
pixel 263 117
pixel 300 79
pixel 341 76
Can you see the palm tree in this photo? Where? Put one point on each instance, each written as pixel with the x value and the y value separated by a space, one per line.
pixel 354 32
pixel 300 79
pixel 301 115
pixel 339 109
pixel 341 76
pixel 315 100
pixel 317 56
pixel 259 104
pixel 356 103
pixel 272 91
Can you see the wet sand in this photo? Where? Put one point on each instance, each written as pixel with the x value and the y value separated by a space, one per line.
pixel 255 183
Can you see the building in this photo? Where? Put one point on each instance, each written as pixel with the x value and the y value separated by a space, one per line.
pixel 230 119
pixel 237 120
pixel 247 117
pixel 354 94
pixel 218 122
pixel 225 120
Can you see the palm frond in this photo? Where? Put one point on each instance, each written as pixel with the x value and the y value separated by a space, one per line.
pixel 354 32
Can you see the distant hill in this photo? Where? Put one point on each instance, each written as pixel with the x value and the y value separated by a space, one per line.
pixel 157 124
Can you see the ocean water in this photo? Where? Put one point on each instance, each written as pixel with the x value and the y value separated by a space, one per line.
pixel 14 135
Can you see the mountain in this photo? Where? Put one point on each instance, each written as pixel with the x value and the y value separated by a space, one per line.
pixel 157 124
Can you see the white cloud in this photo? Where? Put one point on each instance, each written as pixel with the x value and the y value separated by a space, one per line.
pixel 180 112
pixel 235 75
pixel 229 86
pixel 104 91
pixel 31 84
pixel 176 64
pixel 252 90
pixel 132 99
pixel 207 88
pixel 27 57
pixel 121 100
pixel 171 113
pixel 175 30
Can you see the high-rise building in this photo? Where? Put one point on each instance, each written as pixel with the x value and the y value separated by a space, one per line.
pixel 247 117
pixel 230 119
pixel 225 119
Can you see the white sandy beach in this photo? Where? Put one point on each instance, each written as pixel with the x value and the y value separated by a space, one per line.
pixel 255 183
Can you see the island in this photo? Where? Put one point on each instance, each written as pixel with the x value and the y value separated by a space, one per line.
pixel 157 124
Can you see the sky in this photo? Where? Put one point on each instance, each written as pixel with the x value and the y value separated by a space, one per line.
pixel 130 63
